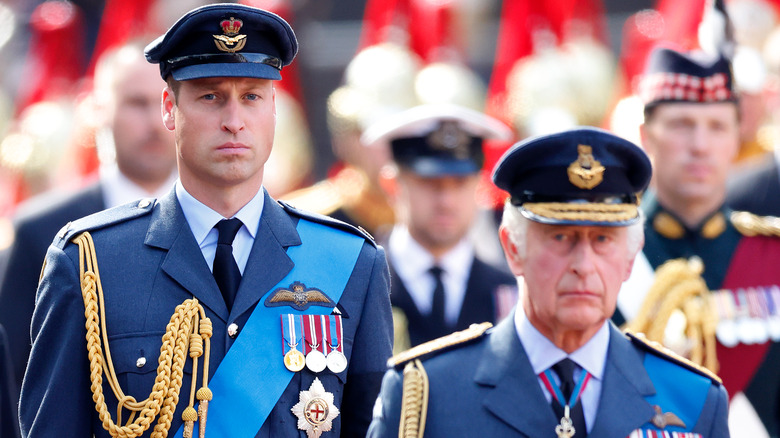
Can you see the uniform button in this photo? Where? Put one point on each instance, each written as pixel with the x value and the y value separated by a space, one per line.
pixel 144 203
pixel 233 330
pixel 140 362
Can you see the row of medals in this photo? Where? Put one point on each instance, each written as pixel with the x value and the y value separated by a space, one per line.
pixel 315 360
pixel 755 321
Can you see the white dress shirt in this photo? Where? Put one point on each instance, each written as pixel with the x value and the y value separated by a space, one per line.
pixel 543 354
pixel 202 220
pixel 412 263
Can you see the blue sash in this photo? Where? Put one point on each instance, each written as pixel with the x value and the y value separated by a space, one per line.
pixel 678 390
pixel 252 377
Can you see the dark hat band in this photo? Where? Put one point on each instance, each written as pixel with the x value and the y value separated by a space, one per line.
pixel 578 198
pixel 222 58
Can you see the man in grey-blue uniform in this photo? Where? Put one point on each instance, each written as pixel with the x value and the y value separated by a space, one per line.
pixel 571 229
pixel 215 308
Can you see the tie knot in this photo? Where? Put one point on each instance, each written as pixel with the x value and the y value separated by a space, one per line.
pixel 436 271
pixel 227 230
pixel 565 370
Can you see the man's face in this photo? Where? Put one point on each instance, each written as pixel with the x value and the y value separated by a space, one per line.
pixel 572 274
pixel 224 130
pixel 437 210
pixel 693 146
pixel 145 151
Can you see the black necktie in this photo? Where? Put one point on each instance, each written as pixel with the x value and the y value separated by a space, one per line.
pixel 437 309
pixel 226 271
pixel 565 371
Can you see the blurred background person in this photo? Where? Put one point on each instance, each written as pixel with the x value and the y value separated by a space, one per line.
pixel 138 160
pixel 692 133
pixel 438 283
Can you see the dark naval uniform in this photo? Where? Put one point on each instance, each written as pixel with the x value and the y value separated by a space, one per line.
pixel 756 188
pixel 149 264
pixel 482 385
pixel 486 288
pixel 741 264
pixel 35 228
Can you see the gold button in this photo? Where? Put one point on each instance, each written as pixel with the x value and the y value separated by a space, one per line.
pixel 144 203
pixel 233 330
pixel 140 362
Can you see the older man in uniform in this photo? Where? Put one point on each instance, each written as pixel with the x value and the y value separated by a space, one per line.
pixel 273 321
pixel 559 366
pixel 438 283
pixel 691 130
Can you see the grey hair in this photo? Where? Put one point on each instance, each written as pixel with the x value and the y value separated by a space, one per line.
pixel 517 226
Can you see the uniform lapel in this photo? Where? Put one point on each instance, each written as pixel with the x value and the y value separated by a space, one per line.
pixel 622 406
pixel 184 262
pixel 516 397
pixel 268 262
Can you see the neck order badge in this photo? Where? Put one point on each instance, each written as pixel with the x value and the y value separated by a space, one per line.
pixel 246 384
pixel 565 429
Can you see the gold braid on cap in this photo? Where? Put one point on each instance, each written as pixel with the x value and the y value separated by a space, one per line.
pixel 414 401
pixel 189 330
pixel 679 289
pixel 583 212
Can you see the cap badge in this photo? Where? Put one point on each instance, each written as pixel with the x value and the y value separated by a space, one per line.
pixel 450 137
pixel 315 410
pixel 299 297
pixel 231 41
pixel 586 172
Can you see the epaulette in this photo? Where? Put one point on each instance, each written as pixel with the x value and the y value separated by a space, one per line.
pixel 749 224
pixel 103 219
pixel 436 346
pixel 657 349
pixel 327 220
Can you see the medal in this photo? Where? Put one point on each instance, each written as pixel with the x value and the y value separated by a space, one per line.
pixel 315 359
pixel 566 428
pixel 336 360
pixel 315 410
pixel 294 360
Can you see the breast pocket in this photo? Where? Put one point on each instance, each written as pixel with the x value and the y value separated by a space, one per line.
pixel 136 359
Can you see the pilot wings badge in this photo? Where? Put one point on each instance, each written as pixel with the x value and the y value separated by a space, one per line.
pixel 299 297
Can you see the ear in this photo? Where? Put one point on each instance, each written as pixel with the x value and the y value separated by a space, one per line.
pixel 168 107
pixel 513 258
pixel 630 264
pixel 644 137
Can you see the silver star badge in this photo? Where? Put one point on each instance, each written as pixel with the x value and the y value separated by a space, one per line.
pixel 315 410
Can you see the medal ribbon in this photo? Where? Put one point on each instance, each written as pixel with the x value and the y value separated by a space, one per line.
pixel 334 334
pixel 246 384
pixel 312 333
pixel 291 332
pixel 555 390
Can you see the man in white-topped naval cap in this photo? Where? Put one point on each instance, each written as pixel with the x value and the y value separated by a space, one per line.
pixel 438 284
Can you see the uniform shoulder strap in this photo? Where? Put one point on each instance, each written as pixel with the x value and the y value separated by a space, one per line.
pixel 430 348
pixel 749 224
pixel 659 350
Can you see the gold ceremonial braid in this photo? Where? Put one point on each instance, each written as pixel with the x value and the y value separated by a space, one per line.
pixel 414 401
pixel 188 330
pixel 591 211
pixel 679 287
pixel 751 225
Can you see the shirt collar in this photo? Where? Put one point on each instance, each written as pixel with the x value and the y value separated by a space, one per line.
pixel 543 354
pixel 411 260
pixel 202 218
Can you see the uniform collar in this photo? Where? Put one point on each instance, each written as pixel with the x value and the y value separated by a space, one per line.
pixel 669 225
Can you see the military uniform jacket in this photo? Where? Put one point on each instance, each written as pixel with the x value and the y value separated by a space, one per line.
pixel 480 303
pixel 487 388
pixel 756 188
pixel 149 263
pixel 732 261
